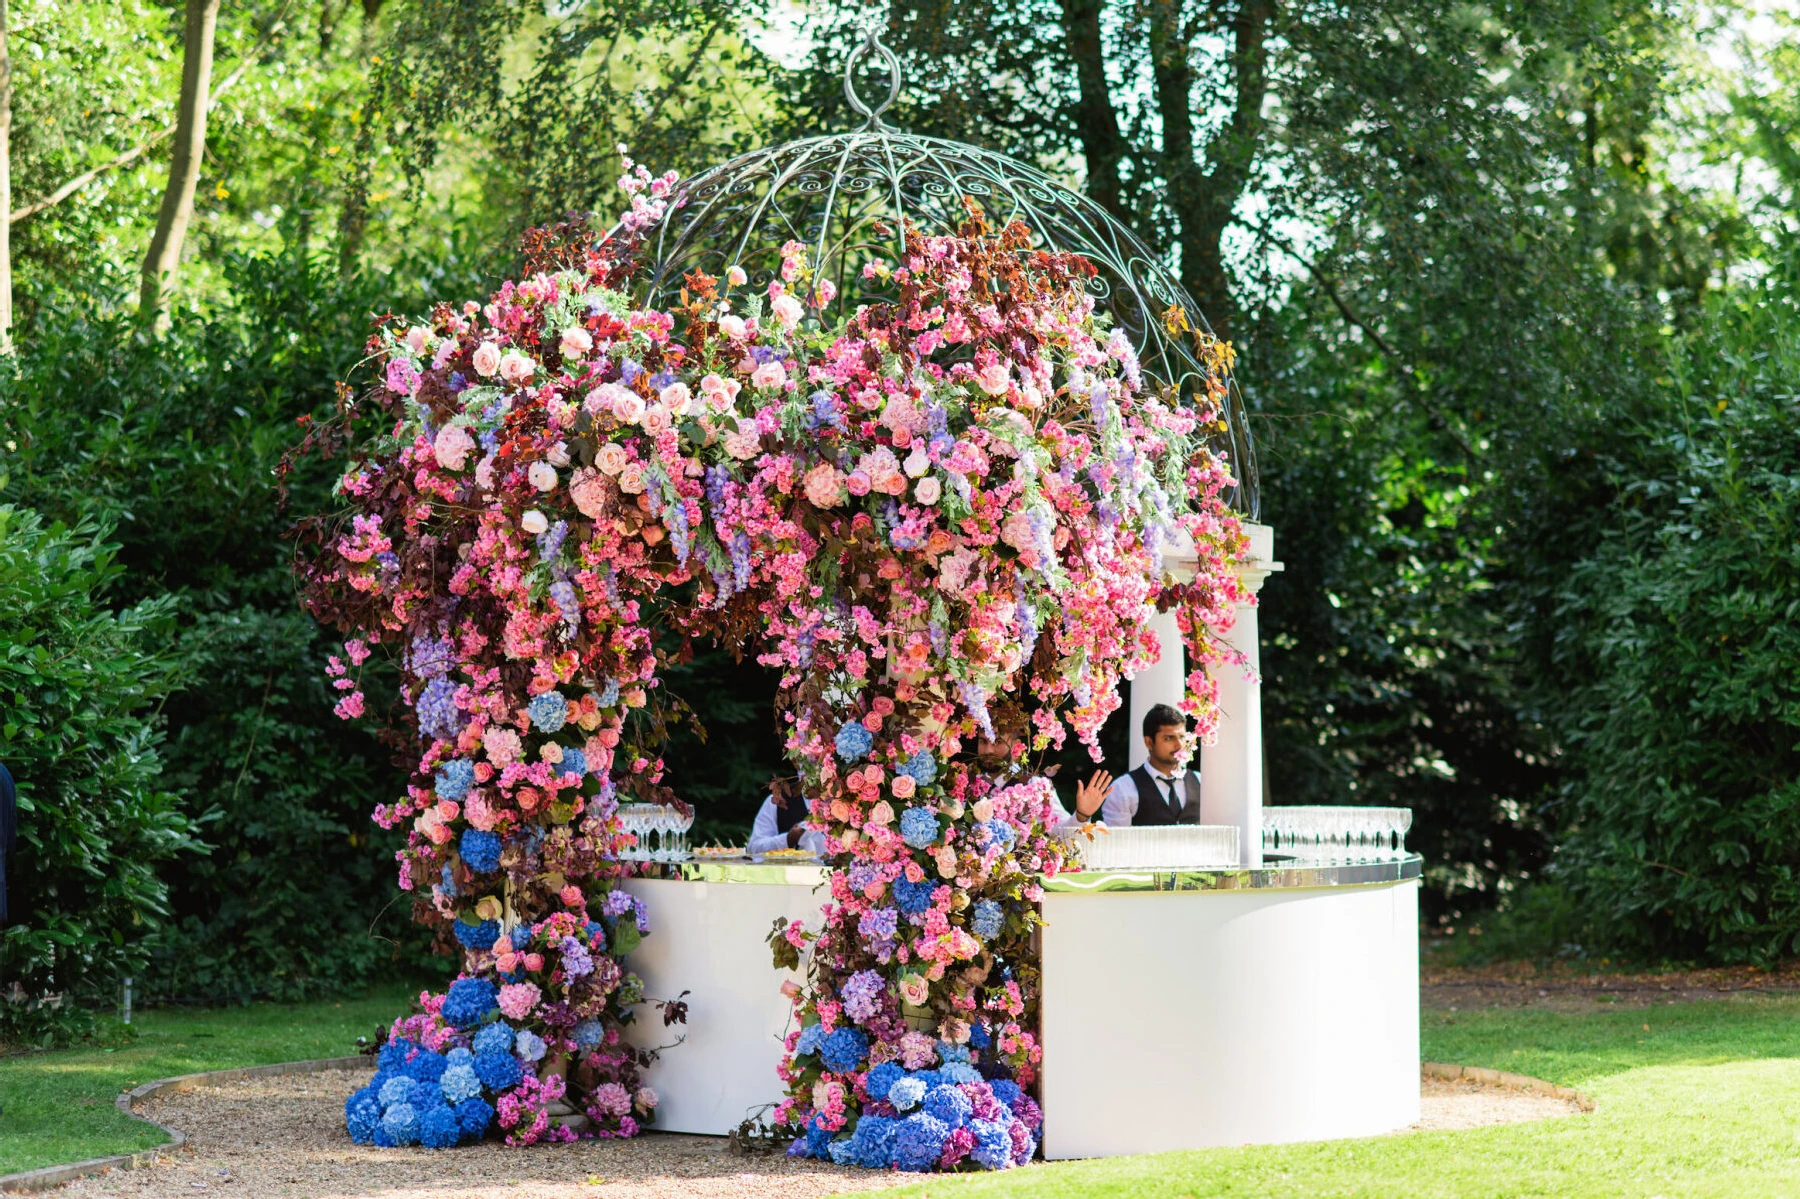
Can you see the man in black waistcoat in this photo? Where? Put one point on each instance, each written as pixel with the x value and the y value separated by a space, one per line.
pixel 1162 790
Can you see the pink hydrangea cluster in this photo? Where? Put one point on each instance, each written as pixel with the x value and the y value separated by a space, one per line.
pixel 941 517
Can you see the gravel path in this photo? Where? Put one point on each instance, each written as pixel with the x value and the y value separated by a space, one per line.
pixel 284 1136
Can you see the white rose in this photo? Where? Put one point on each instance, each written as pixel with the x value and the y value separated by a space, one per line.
pixel 676 397
pixel 576 342
pixel 516 367
pixel 611 458
pixel 534 522
pixel 928 490
pixel 558 454
pixel 631 479
pixel 542 476
pixel 918 462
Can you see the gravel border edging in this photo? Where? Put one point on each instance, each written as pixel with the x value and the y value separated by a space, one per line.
pixel 1501 1078
pixel 44 1178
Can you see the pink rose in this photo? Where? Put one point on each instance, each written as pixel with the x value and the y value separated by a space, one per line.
pixel 676 397
pixel 769 375
pixel 721 394
pixel 787 310
pixel 735 276
pixel 903 786
pixel 995 378
pixel 733 327
pixel 558 454
pixel 627 407
pixel 452 446
pixel 645 1099
pixel 631 479
pixel 858 482
pixel 484 473
pixel 576 342
pixel 611 458
pixel 655 420
pixel 516 367
pixel 487 359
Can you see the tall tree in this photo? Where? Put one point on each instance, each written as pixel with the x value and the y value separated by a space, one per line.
pixel 164 255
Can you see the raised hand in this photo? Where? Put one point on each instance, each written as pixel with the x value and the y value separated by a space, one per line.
pixel 1091 794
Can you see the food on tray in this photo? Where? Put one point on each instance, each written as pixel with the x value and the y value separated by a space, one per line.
pixel 789 855
pixel 719 851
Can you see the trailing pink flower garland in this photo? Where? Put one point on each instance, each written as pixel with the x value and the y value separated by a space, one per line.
pixel 939 517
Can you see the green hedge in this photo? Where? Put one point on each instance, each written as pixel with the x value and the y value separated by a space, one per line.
pixel 79 686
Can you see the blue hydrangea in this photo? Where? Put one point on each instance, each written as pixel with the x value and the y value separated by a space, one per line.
pixel 906 1093
pixel 913 898
pixel 549 711
pixel 921 768
pixel 948 1104
pixel 608 695
pixel 918 827
pixel 459 1056
pixel 426 1066
pixel 397 1091
pixel 842 1153
pixel 454 778
pixel 1006 1091
pixel 987 920
pixel 474 1115
pixel 978 1036
pixel 949 1052
pixel 439 1129
pixel 881 1078
pixel 401 1123
pixel 529 1045
pixel 481 850
pixel 589 1033
pixel 497 1071
pixel 381 1139
pixel 520 936
pixel 844 1049
pixel 919 1141
pixel 476 936
pixel 993 1146
pixel 393 1055
pixel 362 1114
pixel 468 1001
pixel 854 742
pixel 959 1072
pixel 573 762
pixel 810 1036
pixel 992 832
pixel 495 1038
pixel 872 1146
pixel 818 1141
pixel 459 1083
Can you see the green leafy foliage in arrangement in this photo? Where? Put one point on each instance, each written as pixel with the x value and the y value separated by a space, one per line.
pixel 1680 631
pixel 78 687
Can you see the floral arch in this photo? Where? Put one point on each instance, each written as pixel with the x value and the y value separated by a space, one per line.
pixel 940 514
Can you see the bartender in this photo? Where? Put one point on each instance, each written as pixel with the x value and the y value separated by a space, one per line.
pixel 783 826
pixel 1163 790
pixel 999 757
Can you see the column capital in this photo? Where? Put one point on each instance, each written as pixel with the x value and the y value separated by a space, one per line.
pixel 1258 562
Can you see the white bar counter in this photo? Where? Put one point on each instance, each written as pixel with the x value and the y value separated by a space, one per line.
pixel 1191 1009
pixel 709 928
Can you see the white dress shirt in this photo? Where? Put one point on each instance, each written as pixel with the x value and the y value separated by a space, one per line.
pixel 766 834
pixel 1122 801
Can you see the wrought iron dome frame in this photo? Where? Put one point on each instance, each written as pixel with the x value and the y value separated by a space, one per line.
pixel 849 196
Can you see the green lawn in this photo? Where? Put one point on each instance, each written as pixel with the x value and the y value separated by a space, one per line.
pixel 58 1107
pixel 1705 1101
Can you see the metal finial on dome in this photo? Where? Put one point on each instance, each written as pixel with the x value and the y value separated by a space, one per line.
pixel 849 197
pixel 871 44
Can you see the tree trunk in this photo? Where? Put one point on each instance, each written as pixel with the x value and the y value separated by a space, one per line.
pixel 1204 199
pixel 1096 120
pixel 177 211
pixel 6 307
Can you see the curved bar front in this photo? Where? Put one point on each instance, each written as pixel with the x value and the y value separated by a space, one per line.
pixel 1189 1009
pixel 1181 1009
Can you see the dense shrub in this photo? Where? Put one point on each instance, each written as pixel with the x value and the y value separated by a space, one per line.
pixel 1677 695
pixel 79 685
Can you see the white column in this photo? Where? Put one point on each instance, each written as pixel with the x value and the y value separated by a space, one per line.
pixel 1163 683
pixel 1231 769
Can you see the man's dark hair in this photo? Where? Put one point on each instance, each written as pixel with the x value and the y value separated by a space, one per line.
pixel 1160 717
